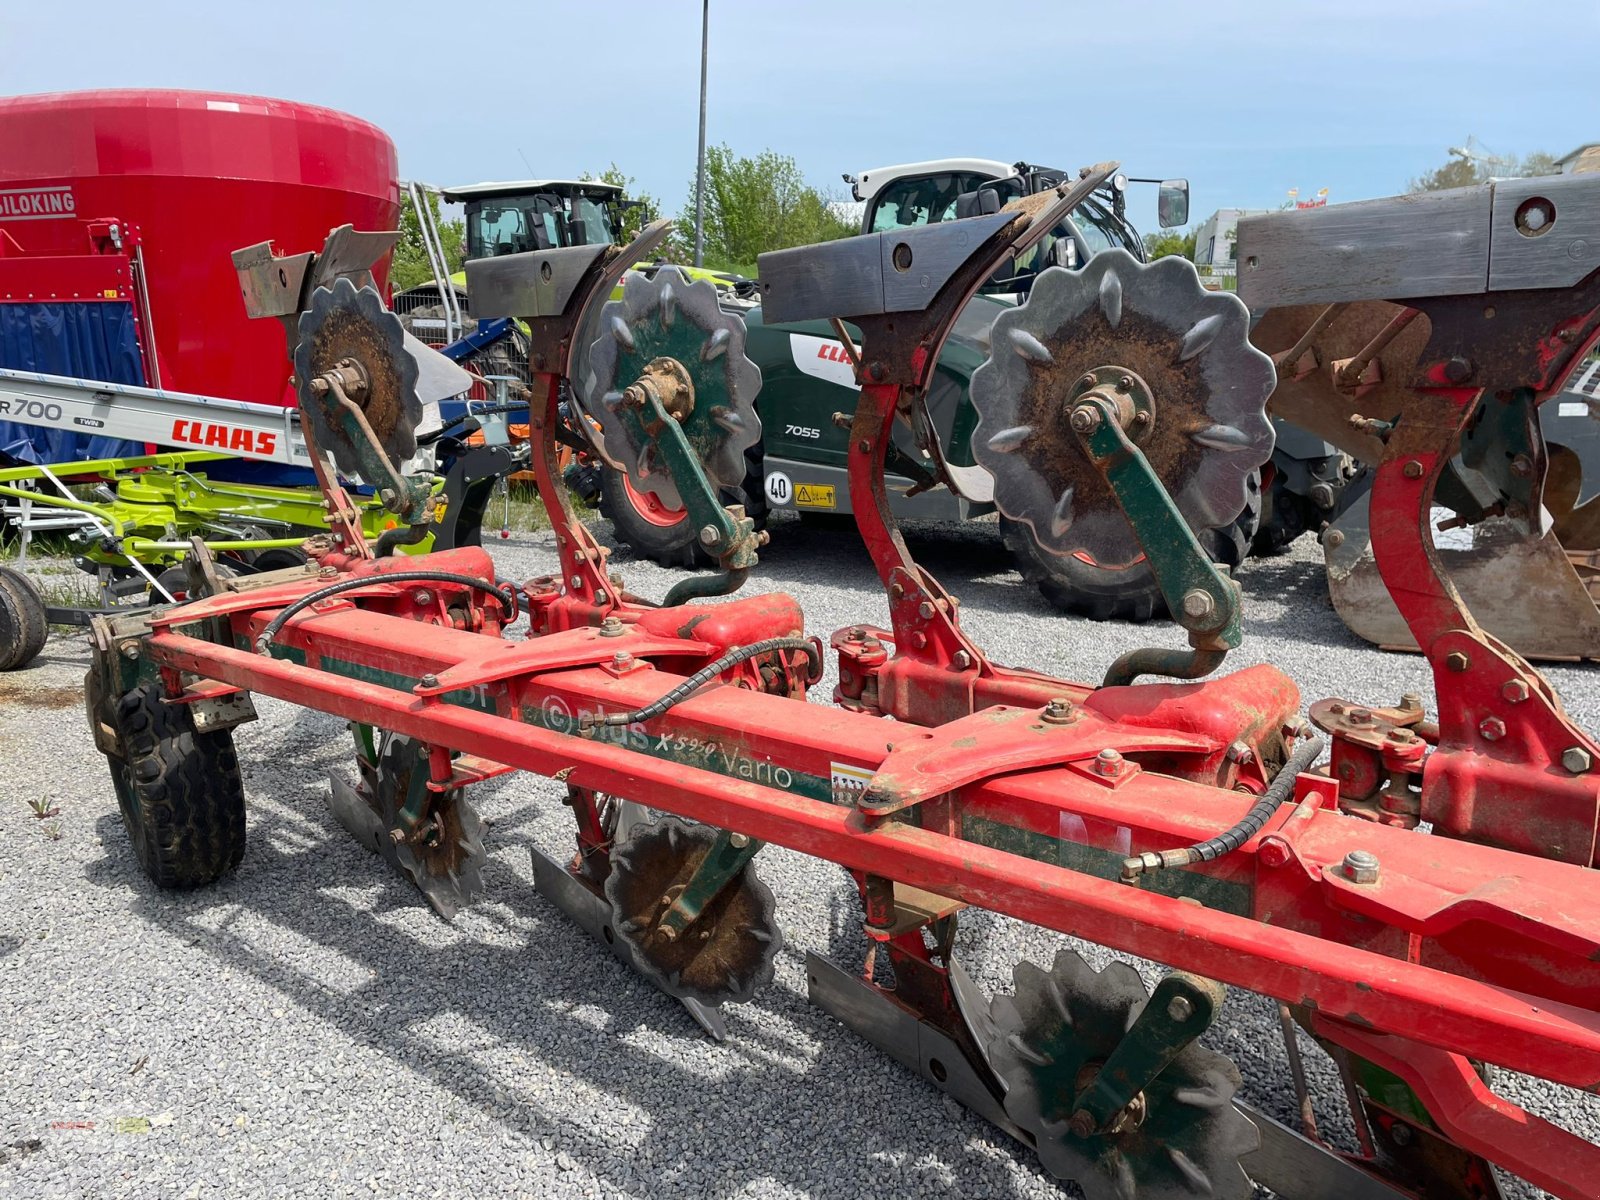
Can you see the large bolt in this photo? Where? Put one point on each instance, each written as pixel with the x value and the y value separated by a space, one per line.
pixel 1180 1009
pixel 1411 702
pixel 1514 690
pixel 1059 711
pixel 1361 716
pixel 1198 604
pixel 1333 539
pixel 1361 866
pixel 1240 752
pixel 429 681
pixel 621 659
pixel 738 840
pixel 961 660
pixel 1576 759
pixel 925 610
pixel 1108 762
pixel 577 583
pixel 709 535
pixel 1087 382
pixel 1085 419
pixel 1412 470
pixel 611 627
pixel 1458 370
pixel 1456 661
pixel 422 597
pixel 1273 852
pixel 1491 729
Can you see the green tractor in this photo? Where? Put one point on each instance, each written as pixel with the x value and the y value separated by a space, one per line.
pixel 808 381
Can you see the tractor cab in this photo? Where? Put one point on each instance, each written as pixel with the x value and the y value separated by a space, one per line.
pixel 944 189
pixel 538 214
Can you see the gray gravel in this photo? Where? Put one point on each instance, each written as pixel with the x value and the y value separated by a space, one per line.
pixel 308 1027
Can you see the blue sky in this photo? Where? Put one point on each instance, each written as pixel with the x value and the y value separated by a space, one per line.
pixel 1247 99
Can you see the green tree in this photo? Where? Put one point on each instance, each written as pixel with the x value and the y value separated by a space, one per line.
pixel 1459 171
pixel 754 205
pixel 410 264
pixel 1170 242
pixel 644 209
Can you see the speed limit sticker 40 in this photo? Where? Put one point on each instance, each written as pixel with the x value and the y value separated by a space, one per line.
pixel 780 490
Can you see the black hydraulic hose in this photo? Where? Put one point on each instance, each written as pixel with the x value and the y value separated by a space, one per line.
pixel 506 595
pixel 705 675
pixel 1278 791
pixel 433 435
pixel 1173 664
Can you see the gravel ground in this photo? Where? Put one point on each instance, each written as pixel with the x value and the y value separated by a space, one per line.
pixel 308 1027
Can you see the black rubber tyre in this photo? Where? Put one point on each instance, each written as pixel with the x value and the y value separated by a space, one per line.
pixel 179 790
pixel 669 545
pixel 1129 593
pixel 1284 518
pixel 278 558
pixel 23 627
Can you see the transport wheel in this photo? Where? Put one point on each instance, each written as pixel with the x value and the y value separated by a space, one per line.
pixel 644 522
pixel 1075 583
pixel 23 627
pixel 179 790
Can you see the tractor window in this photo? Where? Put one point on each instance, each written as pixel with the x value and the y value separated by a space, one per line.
pixel 923 199
pixel 596 224
pixel 494 230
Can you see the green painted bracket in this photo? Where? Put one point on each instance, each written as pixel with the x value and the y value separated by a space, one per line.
pixel 1179 1010
pixel 728 534
pixel 721 865
pixel 1201 598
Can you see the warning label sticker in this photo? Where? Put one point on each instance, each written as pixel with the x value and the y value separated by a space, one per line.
pixel 849 782
pixel 813 495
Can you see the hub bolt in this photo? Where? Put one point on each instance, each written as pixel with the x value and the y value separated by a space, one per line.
pixel 1361 866
pixel 1491 729
pixel 1085 419
pixel 1576 759
pixel 1108 762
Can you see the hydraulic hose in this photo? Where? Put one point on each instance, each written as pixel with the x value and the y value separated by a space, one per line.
pixel 506 595
pixel 1173 664
pixel 705 675
pixel 1278 790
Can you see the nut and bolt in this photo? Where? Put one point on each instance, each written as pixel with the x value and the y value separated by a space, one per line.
pixel 1412 470
pixel 429 680
pixel 1361 716
pixel 1274 852
pixel 1240 752
pixel 611 627
pixel 1108 762
pixel 1401 735
pixel 387 496
pixel 1124 383
pixel 925 610
pixel 1576 759
pixel 1333 539
pixel 1088 381
pixel 576 583
pixel 1514 690
pixel 1085 419
pixel 1458 370
pixel 709 535
pixel 961 660
pixel 1401 1133
pixel 621 660
pixel 738 840
pixel 422 596
pixel 130 649
pixel 1198 604
pixel 1491 729
pixel 1456 661
pixel 397 835
pixel 1361 866
pixel 601 596
pixel 1411 702
pixel 1059 711
pixel 856 635
pixel 1522 466
pixel 1180 1009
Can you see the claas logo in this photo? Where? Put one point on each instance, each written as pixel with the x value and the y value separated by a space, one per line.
pixel 224 437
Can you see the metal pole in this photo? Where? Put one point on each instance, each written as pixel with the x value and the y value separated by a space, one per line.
pixel 700 164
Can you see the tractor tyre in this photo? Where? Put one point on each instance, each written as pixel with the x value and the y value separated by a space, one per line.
pixel 1129 593
pixel 278 558
pixel 23 626
pixel 179 790
pixel 661 535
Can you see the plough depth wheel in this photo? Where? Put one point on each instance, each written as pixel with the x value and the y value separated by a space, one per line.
pixel 179 790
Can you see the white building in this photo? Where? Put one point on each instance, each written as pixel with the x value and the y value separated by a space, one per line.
pixel 1214 241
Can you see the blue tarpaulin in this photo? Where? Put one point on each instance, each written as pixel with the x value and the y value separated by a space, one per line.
pixel 96 340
